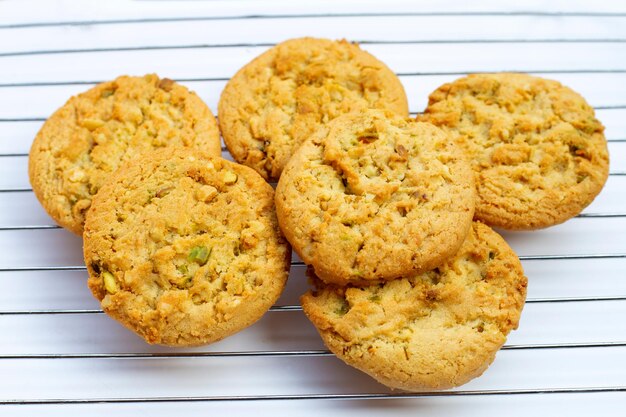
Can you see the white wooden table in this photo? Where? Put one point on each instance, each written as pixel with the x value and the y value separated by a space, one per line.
pixel 59 355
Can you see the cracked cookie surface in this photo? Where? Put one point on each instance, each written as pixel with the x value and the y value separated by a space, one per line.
pixel 538 152
pixel 373 196
pixel 279 99
pixel 184 248
pixel 88 138
pixel 436 330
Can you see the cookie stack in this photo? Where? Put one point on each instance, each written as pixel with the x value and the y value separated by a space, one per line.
pixel 411 284
pixel 408 288
pixel 391 214
pixel 87 139
pixel 181 246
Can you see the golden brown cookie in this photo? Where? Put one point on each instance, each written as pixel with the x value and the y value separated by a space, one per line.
pixel 184 248
pixel 280 98
pixel 374 196
pixel 88 138
pixel 435 330
pixel 538 152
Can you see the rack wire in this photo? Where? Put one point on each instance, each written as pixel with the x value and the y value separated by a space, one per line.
pixel 604 249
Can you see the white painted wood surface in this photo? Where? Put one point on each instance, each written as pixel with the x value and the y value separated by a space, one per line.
pixel 572 336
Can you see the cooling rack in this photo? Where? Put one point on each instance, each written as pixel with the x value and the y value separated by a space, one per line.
pixel 59 355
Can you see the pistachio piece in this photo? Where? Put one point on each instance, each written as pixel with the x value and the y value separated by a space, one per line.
pixel 183 282
pixel 92 124
pixel 230 177
pixel 402 151
pixel 199 255
pixel 183 269
pixel 162 192
pixel 343 308
pixel 77 176
pixel 166 84
pixel 109 282
pixel 206 193
pixel 368 135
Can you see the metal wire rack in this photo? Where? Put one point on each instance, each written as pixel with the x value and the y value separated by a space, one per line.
pixel 58 351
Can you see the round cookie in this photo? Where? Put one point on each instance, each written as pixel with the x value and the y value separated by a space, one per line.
pixel 88 138
pixel 436 330
pixel 538 152
pixel 184 248
pixel 373 196
pixel 280 98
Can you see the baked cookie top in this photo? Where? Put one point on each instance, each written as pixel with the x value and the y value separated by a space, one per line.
pixel 435 330
pixel 88 138
pixel 374 196
pixel 539 153
pixel 280 98
pixel 184 248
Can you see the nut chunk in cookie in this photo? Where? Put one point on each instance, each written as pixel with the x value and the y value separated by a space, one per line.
pixel 184 248
pixel 538 152
pixel 92 134
pixel 435 330
pixel 373 196
pixel 279 99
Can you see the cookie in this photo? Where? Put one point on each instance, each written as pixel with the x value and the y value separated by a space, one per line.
pixel 538 152
pixel 435 330
pixel 184 248
pixel 280 98
pixel 373 196
pixel 88 138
